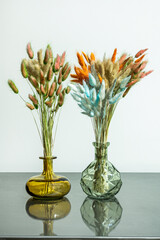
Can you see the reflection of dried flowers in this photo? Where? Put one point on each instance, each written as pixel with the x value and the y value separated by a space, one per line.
pixel 99 85
pixel 45 76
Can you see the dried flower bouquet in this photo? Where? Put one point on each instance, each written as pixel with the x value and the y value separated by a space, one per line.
pixel 98 86
pixel 45 75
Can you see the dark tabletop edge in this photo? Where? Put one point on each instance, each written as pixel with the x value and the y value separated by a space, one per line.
pixel 78 238
pixel 80 172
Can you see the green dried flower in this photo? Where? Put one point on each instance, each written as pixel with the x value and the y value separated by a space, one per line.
pixel 42 78
pixel 33 81
pixel 46 57
pixel 66 74
pixel 65 68
pixel 59 90
pixel 60 77
pixel 52 89
pixel 60 100
pixel 34 100
pixel 24 69
pixel 49 103
pixel 50 74
pixel 30 51
pixel 13 86
pixel 68 89
pixel 42 89
pixel 30 106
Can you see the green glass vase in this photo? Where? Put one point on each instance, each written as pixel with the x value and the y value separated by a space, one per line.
pixel 48 185
pixel 101 179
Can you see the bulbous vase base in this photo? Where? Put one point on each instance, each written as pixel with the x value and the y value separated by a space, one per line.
pixel 101 183
pixel 48 187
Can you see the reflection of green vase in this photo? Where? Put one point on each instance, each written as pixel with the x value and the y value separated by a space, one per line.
pixel 101 179
pixel 101 216
pixel 47 211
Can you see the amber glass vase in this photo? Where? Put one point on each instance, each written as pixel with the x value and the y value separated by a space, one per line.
pixel 48 185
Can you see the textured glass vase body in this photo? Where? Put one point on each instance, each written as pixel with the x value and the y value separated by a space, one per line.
pixel 101 179
pixel 48 185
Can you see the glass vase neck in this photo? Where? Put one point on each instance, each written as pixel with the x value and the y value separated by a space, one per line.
pixel 101 149
pixel 48 165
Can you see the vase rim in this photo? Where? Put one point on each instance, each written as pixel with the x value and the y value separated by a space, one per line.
pixel 97 144
pixel 48 158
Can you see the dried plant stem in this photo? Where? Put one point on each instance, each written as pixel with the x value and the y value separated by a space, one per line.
pixel 22 98
pixel 37 128
pixel 44 120
pixel 57 126
pixel 31 87
pixel 101 127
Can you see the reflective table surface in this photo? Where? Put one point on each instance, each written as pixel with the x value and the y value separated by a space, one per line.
pixel 134 213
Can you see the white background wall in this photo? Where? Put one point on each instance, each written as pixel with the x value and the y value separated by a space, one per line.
pixel 89 25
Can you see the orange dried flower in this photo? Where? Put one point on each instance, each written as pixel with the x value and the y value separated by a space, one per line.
pixel 86 57
pixel 92 57
pixel 100 78
pixel 83 72
pixel 114 55
pixel 81 60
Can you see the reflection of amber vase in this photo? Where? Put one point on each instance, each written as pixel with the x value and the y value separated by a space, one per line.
pixel 47 211
pixel 48 185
